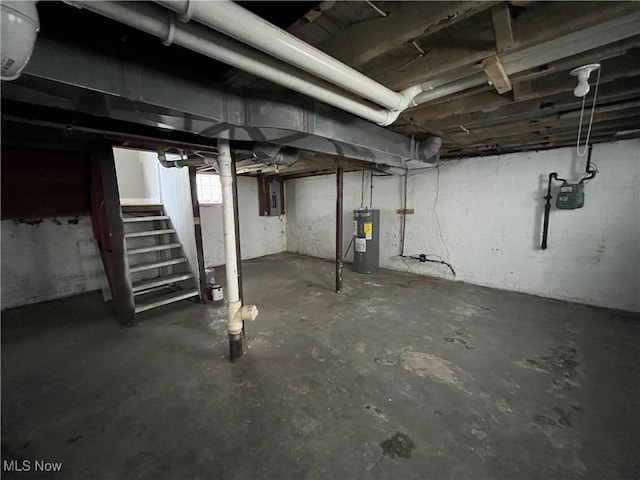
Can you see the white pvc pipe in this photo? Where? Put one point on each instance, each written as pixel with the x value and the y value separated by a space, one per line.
pixel 228 221
pixel 239 23
pixel 160 23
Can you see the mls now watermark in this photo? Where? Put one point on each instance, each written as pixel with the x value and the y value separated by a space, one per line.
pixel 30 466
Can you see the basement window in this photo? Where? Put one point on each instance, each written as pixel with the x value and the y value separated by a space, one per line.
pixel 209 189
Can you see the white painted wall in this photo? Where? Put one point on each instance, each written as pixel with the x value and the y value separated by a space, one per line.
pixel 151 176
pixel 490 212
pixel 130 173
pixel 138 177
pixel 175 192
pixel 259 235
pixel 55 258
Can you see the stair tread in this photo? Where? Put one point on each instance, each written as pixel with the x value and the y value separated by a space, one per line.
pixel 142 206
pixel 150 218
pixel 166 300
pixel 154 248
pixel 148 233
pixel 161 263
pixel 140 287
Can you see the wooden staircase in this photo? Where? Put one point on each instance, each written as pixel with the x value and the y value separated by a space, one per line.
pixel 159 272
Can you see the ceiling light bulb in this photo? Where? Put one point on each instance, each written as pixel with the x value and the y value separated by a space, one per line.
pixel 582 89
pixel 583 74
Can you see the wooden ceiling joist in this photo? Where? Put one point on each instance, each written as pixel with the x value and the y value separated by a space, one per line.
pixel 495 73
pixel 540 22
pixel 366 41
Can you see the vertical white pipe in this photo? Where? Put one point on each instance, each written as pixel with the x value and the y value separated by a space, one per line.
pixel 228 222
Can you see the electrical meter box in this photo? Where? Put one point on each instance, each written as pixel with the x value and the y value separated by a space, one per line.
pixel 571 196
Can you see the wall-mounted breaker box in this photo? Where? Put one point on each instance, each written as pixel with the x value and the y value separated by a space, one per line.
pixel 275 200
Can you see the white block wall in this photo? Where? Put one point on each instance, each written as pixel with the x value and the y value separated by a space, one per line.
pixel 48 258
pixel 490 211
pixel 138 176
pixel 259 235
pixel 175 191
pixel 130 173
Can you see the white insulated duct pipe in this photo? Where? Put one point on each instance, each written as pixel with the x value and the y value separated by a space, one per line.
pixel 246 27
pixel 160 23
pixel 236 312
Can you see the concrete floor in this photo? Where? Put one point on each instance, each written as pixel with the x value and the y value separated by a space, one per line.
pixel 402 376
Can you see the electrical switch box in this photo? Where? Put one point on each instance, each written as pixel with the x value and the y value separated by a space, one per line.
pixel 571 196
pixel 275 201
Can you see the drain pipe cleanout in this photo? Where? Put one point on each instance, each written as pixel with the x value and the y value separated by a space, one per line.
pixel 237 313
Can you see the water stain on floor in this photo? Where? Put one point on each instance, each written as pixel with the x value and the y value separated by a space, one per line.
pixel 399 444
pixel 439 369
pixel 562 361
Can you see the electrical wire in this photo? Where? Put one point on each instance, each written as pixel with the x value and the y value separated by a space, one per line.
pixel 371 192
pixel 362 191
pixel 593 107
pixel 424 258
pixel 435 208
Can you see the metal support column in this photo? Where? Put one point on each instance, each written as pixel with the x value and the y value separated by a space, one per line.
pixel 339 185
pixel 197 231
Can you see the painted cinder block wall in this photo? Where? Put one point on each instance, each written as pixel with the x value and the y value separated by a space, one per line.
pixel 48 258
pixel 259 235
pixel 490 212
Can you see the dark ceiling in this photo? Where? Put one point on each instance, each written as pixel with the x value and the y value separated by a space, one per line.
pixel 403 43
pixel 419 41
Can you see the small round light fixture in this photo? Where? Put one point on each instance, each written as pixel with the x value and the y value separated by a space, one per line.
pixel 583 74
pixel 19 28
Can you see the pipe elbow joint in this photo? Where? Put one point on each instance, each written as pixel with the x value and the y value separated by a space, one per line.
pixel 408 95
pixel 391 116
pixel 238 314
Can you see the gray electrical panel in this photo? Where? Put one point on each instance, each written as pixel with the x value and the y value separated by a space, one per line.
pixel 366 232
pixel 571 196
pixel 275 202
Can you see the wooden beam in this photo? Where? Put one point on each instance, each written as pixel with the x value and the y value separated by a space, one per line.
pixel 365 41
pixel 527 139
pixel 543 21
pixel 486 105
pixel 106 205
pixel 522 90
pixel 311 16
pixel 501 18
pixel 495 73
pixel 552 122
pixel 197 229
